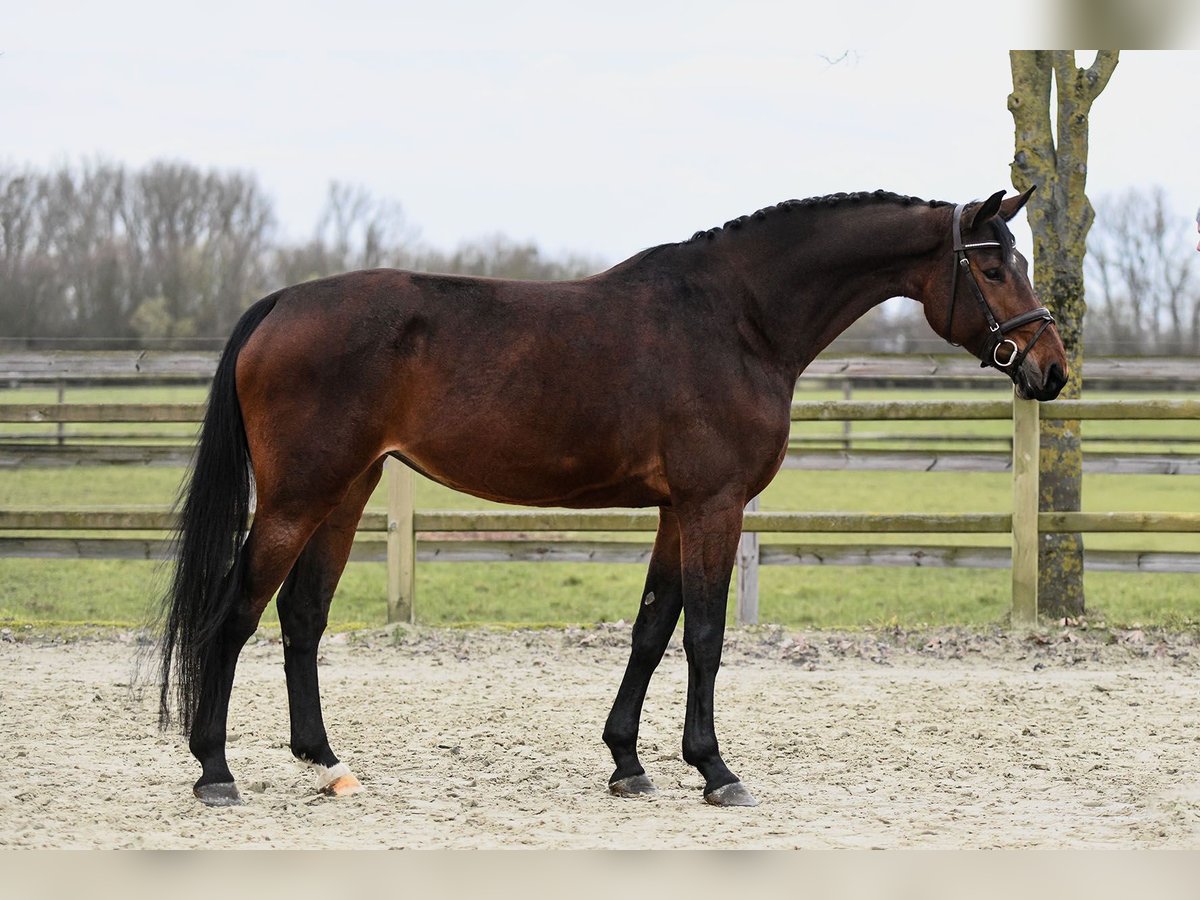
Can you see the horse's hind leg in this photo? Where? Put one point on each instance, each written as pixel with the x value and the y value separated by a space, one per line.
pixel 662 600
pixel 274 542
pixel 303 606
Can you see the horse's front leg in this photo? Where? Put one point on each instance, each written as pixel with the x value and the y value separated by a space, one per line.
pixel 709 534
pixel 662 599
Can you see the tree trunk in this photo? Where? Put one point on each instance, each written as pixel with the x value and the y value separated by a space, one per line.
pixel 1059 217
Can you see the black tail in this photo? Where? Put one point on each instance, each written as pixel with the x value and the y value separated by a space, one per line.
pixel 212 525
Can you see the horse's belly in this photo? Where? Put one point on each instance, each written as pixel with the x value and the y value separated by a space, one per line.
pixel 538 480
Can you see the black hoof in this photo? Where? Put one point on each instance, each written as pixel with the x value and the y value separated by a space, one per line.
pixel 734 794
pixel 222 793
pixel 632 786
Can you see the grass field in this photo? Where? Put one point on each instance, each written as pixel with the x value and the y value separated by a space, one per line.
pixel 119 592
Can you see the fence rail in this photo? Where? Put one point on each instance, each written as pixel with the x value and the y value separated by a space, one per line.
pixel 813 451
pixel 445 521
pixel 98 450
pixel 372 548
pixel 802 411
pixel 403 535
pixel 77 367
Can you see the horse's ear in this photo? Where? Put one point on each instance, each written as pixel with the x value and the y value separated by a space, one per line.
pixel 987 209
pixel 1012 205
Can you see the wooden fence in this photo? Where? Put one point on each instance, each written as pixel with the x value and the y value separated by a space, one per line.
pixel 850 449
pixel 82 367
pixel 410 534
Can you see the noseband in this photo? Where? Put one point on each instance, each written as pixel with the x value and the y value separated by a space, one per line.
pixel 996 341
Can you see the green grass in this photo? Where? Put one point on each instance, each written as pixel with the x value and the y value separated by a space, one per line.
pixel 119 592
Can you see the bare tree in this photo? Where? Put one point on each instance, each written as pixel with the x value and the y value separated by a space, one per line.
pixel 241 221
pixel 355 230
pixel 1144 277
pixel 498 256
pixel 360 230
pixel 61 258
pixel 197 240
pixel 19 309
pixel 82 216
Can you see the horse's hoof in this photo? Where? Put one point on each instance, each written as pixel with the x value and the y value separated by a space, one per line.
pixel 337 781
pixel 342 787
pixel 734 794
pixel 221 793
pixel 633 786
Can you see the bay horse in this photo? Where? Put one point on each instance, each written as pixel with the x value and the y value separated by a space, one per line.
pixel 664 382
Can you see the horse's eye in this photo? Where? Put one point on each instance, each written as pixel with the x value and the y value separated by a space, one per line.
pixel 993 274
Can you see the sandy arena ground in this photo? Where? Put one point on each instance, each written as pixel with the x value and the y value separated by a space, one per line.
pixel 947 738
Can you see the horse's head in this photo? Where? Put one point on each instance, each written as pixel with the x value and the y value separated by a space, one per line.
pixel 983 300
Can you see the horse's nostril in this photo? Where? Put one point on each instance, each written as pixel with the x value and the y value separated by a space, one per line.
pixel 1055 379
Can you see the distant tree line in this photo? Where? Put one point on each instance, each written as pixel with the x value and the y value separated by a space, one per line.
pixel 103 251
pixel 171 253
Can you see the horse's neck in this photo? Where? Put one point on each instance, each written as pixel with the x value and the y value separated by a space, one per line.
pixel 809 281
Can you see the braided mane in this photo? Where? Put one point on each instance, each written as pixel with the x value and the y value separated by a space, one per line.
pixel 827 201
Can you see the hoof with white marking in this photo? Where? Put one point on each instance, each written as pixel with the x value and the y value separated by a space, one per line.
pixel 337 781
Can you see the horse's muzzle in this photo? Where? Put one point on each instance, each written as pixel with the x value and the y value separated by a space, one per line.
pixel 1033 384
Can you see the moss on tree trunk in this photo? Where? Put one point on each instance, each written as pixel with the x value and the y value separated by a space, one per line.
pixel 1060 215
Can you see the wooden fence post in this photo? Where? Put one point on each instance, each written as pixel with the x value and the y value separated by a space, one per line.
pixel 1025 511
pixel 62 396
pixel 847 394
pixel 747 574
pixel 401 543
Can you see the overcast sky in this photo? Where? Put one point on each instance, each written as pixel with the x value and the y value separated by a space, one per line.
pixel 602 130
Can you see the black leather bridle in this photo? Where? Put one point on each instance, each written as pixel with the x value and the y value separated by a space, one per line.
pixel 996 341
